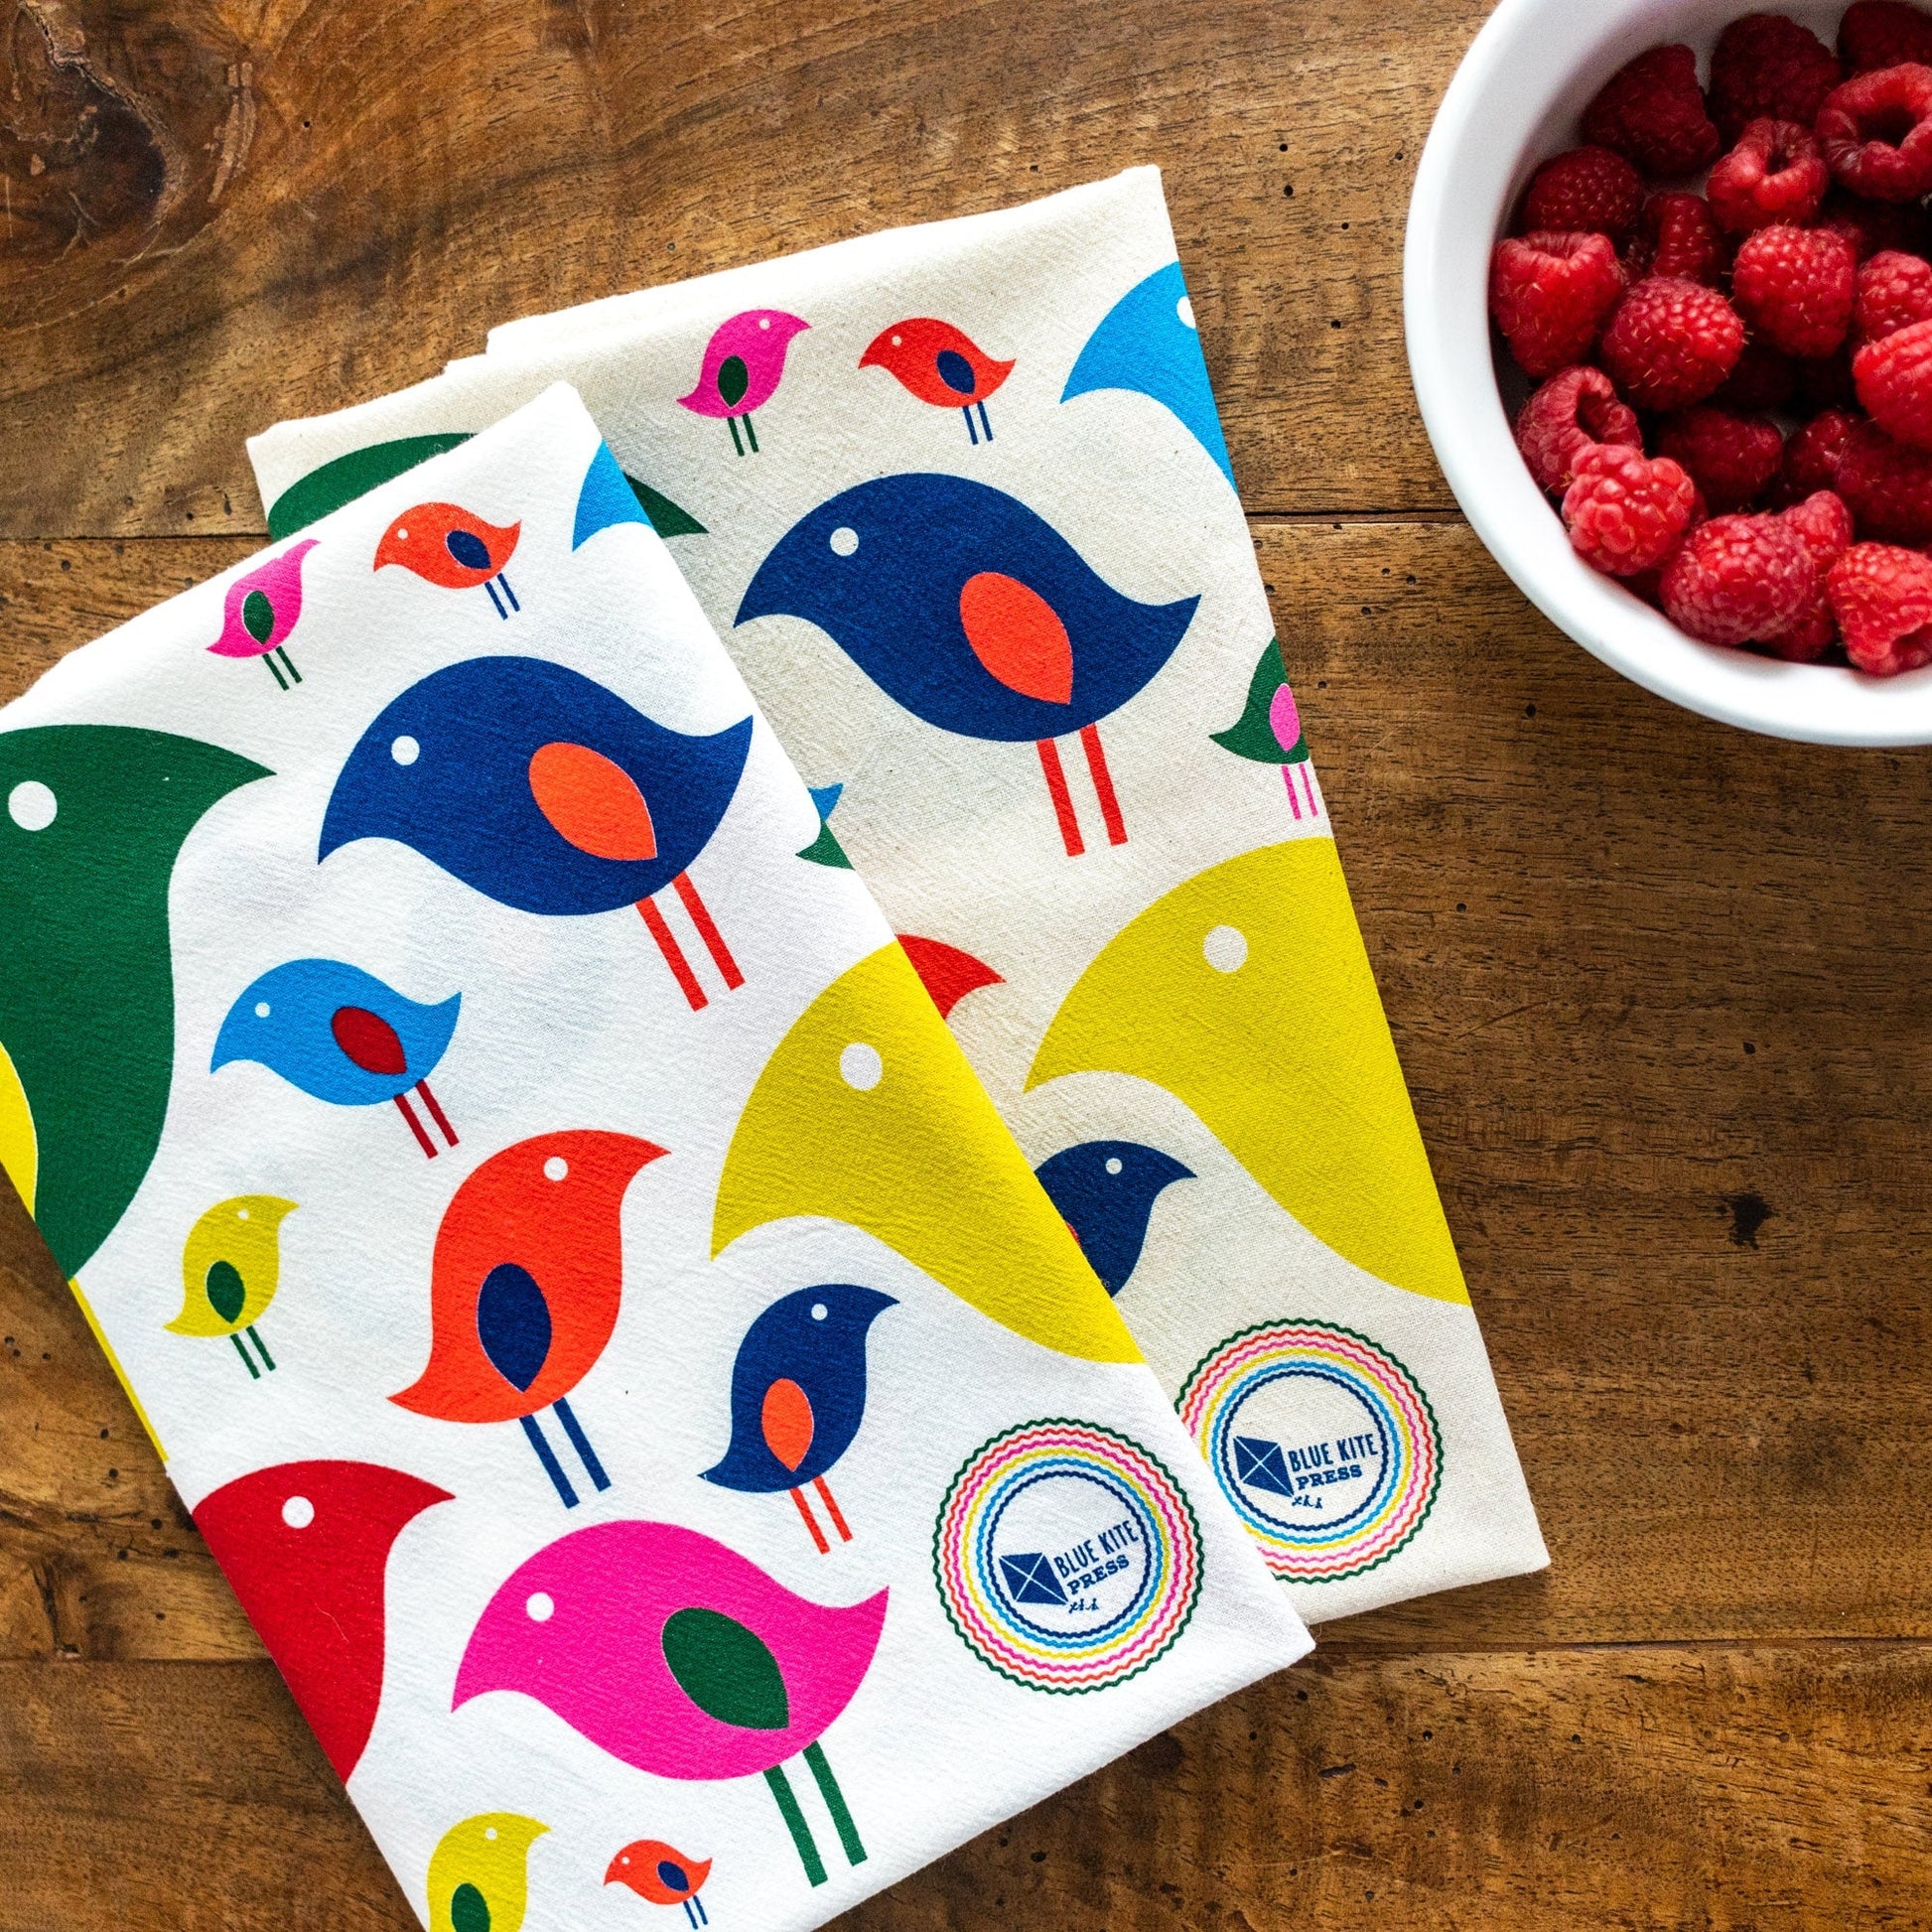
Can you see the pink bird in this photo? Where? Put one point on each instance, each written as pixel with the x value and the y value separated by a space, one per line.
pixel 681 1658
pixel 261 610
pixel 743 364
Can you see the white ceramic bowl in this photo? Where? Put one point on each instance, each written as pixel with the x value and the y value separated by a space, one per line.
pixel 1517 100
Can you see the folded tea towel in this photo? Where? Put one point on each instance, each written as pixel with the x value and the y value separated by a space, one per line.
pixel 956 499
pixel 630 1377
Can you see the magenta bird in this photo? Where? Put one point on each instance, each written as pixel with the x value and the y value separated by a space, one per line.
pixel 260 611
pixel 743 364
pixel 681 1658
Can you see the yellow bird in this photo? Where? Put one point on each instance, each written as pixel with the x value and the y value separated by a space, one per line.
pixel 1246 993
pixel 230 1266
pixel 868 1113
pixel 479 1877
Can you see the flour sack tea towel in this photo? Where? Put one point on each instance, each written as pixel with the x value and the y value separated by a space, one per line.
pixel 957 500
pixel 634 1384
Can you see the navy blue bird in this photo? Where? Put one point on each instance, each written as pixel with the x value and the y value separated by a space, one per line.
pixel 541 789
pixel 799 1396
pixel 1105 1192
pixel 977 616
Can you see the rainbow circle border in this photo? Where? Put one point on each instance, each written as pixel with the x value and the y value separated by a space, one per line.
pixel 962 1556
pixel 1212 1394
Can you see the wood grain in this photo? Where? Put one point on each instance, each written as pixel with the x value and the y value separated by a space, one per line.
pixel 227 223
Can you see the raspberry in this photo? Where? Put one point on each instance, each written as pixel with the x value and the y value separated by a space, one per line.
pixel 1870 227
pixel 1652 112
pixel 1732 458
pixel 1887 486
pixel 1775 173
pixel 1671 342
pixel 1796 288
pixel 1876 133
pixel 1627 512
pixel 1572 412
pixel 1590 190
pixel 1882 598
pixel 1763 379
pixel 1894 378
pixel 1738 579
pixel 1894 291
pixel 1677 235
pixel 1883 34
pixel 1813 454
pixel 1824 525
pixel 1549 292
pixel 1768 66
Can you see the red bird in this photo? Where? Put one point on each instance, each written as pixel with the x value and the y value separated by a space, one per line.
pixel 662 1875
pixel 939 365
pixel 446 545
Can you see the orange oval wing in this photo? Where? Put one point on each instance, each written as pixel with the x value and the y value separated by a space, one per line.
pixel 1017 636
pixel 787 1421
pixel 592 802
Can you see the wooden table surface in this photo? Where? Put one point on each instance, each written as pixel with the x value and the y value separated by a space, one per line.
pixel 1661 989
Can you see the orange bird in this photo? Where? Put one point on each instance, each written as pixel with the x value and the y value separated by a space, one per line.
pixel 524 1287
pixel 939 365
pixel 444 544
pixel 662 1875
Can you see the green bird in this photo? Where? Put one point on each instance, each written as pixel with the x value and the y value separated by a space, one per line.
pixel 95 816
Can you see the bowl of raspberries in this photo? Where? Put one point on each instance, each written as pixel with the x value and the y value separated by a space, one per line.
pixel 1669 311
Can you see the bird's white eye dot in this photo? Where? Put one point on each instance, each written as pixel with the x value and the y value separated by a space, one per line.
pixel 405 750
pixel 898 340
pixel 845 541
pixel 402 536
pixel 1185 309
pixel 1225 949
pixel 297 1512
pixel 261 1009
pixel 1113 1163
pixel 32 805
pixel 241 1213
pixel 540 1608
pixel 765 322
pixel 489 1832
pixel 554 1167
pixel 860 1066
pixel 819 1310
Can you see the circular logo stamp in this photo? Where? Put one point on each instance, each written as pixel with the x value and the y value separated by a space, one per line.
pixel 1324 1443
pixel 1067 1556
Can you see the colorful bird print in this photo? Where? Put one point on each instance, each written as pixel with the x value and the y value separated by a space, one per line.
pixel 825 850
pixel 305 1546
pixel 478 1874
pixel 1246 993
pixel 608 496
pixel 230 1266
pixel 1148 343
pixel 1269 730
pixel 799 1396
pixel 743 364
pixel 343 1035
pixel 948 973
pixel 543 791
pixel 260 611
pixel 681 1658
pixel 867 1113
pixel 94 817
pixel 1105 1192
pixel 939 365
pixel 524 1286
pixel 977 616
pixel 445 545
pixel 662 1875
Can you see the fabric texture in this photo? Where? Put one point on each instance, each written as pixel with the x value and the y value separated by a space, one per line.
pixel 667 1440
pixel 957 499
